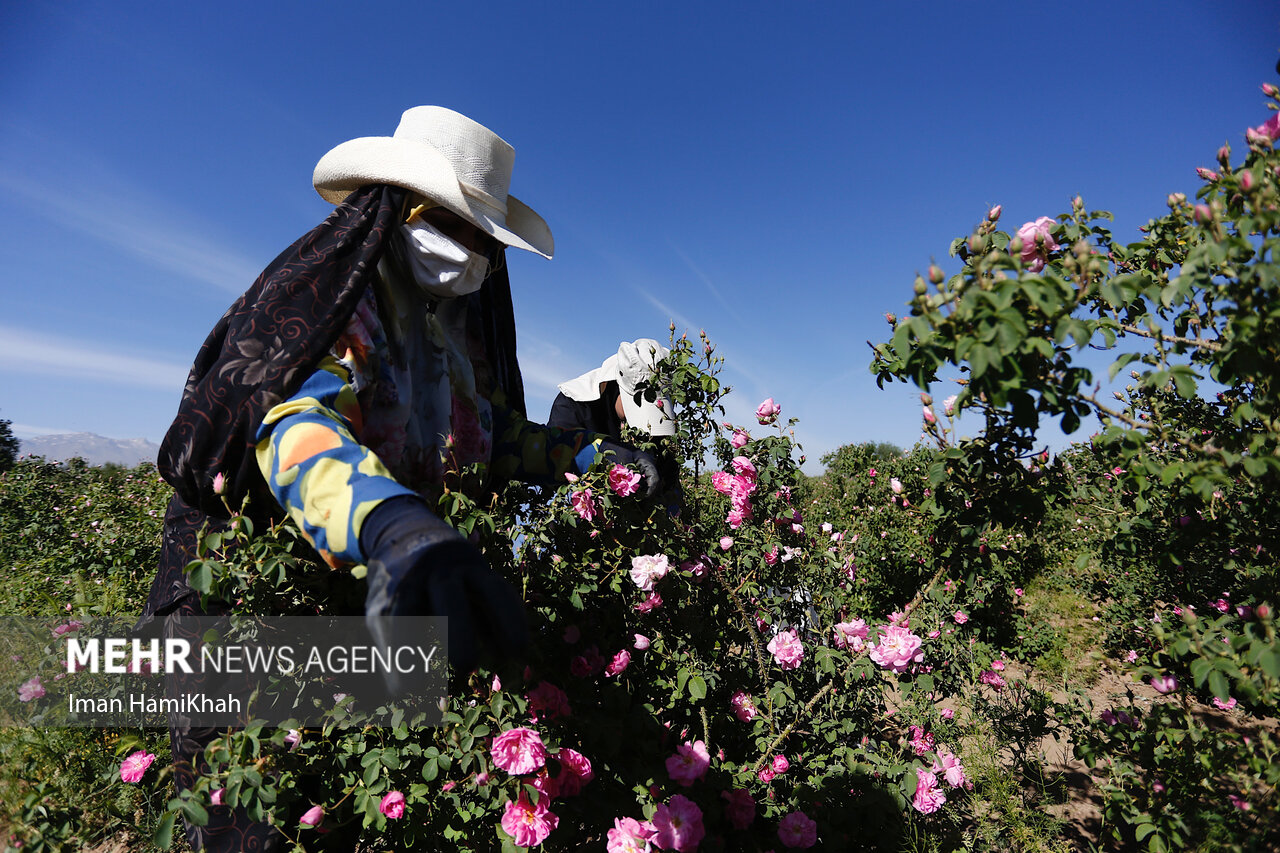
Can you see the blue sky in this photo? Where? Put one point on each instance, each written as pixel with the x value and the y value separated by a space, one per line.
pixel 773 173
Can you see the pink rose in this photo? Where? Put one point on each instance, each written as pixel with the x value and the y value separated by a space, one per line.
pixel 1037 242
pixel 619 663
pixel 771 556
pixel 798 831
pixel 575 771
pixel 646 570
pixel 960 617
pixel 518 751
pixel 895 485
pixel 781 764
pixel 623 481
pixel 767 412
pixel 743 708
pixel 949 405
pixel 527 824
pixel 952 769
pixel 739 439
pixel 743 467
pixel 726 542
pixel 690 763
pixel 1269 128
pixel 991 678
pixel 722 482
pixel 1164 683
pixel 653 602
pixel 583 505
pixel 133 768
pixel 629 836
pixel 787 649
pixel 219 483
pixel 392 805
pixel 547 702
pixel 929 797
pixel 897 649
pixel 921 741
pixel 31 689
pixel 850 635
pixel 588 663
pixel 314 816
pixel 1224 706
pixel 678 825
pixel 641 642
pixel 739 808
pixel 948 713
pixel 215 797
pixel 766 774
pixel 67 628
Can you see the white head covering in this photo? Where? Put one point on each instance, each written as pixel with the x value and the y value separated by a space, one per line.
pixel 632 364
pixel 450 159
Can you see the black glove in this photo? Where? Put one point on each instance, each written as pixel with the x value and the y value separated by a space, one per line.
pixel 645 462
pixel 420 566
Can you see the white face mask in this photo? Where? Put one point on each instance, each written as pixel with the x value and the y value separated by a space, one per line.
pixel 441 265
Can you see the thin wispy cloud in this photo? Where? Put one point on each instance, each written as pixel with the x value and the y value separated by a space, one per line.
pixel 31 353
pixel 135 225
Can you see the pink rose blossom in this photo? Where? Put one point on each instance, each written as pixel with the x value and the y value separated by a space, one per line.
pixel 1269 128
pixel 952 769
pixel 392 805
pixel 623 480
pixel 897 649
pixel 739 439
pixel 215 797
pixel 1037 242
pixel 767 412
pixel 30 689
pixel 743 467
pixel 619 663
pixel 1224 706
pixel 726 542
pixel 787 649
pixel 781 764
pixel 646 570
pixel 766 774
pixel 949 405
pixel 133 768
pixel 850 635
pixel 629 836
pixel 929 797
pixel 1164 683
pixel 293 737
pixel 312 817
pixel 690 763
pixel 547 702
pixel 527 824
pixel 67 628
pixel 739 808
pixel 929 416
pixel 1131 656
pixel 960 617
pixel 990 677
pixel 219 483
pixel 895 485
pixel 583 505
pixel 921 741
pixel 653 602
pixel 743 708
pixel 678 825
pixel 575 771
pixel 588 663
pixel 771 556
pixel 948 713
pixel 798 831
pixel 1239 802
pixel 641 642
pixel 518 751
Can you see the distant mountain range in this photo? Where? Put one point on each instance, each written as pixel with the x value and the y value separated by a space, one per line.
pixel 94 449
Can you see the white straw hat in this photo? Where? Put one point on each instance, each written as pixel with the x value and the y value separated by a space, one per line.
pixel 450 159
pixel 633 363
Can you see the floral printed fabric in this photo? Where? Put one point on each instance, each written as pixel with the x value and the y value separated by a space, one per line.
pixel 395 409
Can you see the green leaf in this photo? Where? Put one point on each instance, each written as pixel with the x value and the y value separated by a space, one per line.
pixel 697 688
pixel 1218 684
pixel 163 837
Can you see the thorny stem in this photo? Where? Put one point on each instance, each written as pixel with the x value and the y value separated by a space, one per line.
pixel 1200 343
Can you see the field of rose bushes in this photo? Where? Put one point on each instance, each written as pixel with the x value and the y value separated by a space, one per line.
pixel 883 657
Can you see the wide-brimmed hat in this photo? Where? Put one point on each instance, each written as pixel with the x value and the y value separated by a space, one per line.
pixel 633 363
pixel 450 159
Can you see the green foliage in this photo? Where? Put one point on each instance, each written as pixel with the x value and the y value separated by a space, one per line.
pixel 9 445
pixel 1178 490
